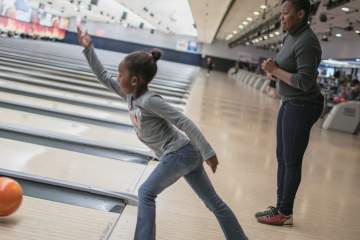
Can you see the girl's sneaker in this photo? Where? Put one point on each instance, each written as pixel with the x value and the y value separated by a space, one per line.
pixel 277 219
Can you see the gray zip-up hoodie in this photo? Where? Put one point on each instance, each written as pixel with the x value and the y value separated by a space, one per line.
pixel 157 123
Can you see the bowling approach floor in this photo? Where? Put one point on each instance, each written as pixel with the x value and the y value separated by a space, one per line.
pixel 240 124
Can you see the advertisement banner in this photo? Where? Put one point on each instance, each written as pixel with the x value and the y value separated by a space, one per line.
pixel 18 16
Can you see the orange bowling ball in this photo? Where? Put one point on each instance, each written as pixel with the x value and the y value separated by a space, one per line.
pixel 11 195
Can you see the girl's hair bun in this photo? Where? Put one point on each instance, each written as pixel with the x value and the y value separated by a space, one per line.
pixel 156 54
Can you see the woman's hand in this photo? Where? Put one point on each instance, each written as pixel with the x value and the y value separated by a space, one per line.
pixel 84 38
pixel 270 76
pixel 213 163
pixel 269 66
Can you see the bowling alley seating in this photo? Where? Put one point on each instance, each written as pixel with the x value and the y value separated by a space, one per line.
pixel 344 117
pixel 250 80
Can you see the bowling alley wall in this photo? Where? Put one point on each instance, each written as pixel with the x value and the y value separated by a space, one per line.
pixel 176 48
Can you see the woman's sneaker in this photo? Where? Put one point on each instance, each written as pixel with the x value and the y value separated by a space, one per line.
pixel 270 211
pixel 277 219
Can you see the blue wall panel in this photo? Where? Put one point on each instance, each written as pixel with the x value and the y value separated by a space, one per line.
pixel 127 47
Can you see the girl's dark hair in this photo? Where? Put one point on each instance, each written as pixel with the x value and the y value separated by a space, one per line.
pixel 301 5
pixel 143 64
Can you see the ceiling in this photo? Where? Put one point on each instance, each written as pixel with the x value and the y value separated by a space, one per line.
pixel 214 19
pixel 337 19
pixel 172 16
pixel 197 18
pixel 241 10
pixel 208 15
pixel 105 11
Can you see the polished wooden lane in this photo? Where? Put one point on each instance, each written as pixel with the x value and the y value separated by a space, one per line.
pixel 72 167
pixel 39 219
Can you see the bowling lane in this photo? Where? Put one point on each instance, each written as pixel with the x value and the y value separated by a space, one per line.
pixel 110 59
pixel 96 95
pixel 181 74
pixel 40 73
pixel 176 72
pixel 125 228
pixel 11 49
pixel 40 219
pixel 117 105
pixel 93 94
pixel 57 70
pixel 66 87
pixel 172 78
pixel 111 104
pixel 72 167
pixel 124 138
pixel 168 82
pixel 121 117
pixel 37 75
pixel 46 60
pixel 91 87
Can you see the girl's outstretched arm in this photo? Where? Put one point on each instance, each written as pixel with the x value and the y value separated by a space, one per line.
pixel 107 79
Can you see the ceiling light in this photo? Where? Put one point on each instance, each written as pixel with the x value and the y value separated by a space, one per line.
pixel 265 37
pixel 357 31
pixel 235 32
pixel 338 35
pixel 256 13
pixel 358 60
pixel 229 37
pixel 345 9
pixel 249 19
pixel 245 23
pixel 271 35
pixel 247 43
pixel 241 26
pixel 277 33
pixel 263 6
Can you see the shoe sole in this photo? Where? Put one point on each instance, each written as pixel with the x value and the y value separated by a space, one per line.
pixel 284 224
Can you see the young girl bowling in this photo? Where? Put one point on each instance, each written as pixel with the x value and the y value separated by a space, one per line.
pixel 158 124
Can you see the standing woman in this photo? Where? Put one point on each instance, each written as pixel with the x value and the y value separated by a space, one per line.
pixel 295 69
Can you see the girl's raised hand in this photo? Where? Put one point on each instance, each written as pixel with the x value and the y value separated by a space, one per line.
pixel 84 38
